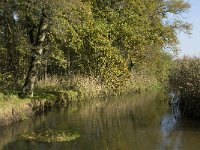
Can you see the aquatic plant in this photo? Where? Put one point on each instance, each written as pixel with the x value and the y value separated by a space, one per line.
pixel 49 135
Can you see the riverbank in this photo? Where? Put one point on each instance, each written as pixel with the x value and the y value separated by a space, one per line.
pixel 14 108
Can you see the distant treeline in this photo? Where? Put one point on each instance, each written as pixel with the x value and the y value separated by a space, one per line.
pixel 106 39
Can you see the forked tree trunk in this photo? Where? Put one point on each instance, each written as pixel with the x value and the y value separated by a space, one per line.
pixel 35 63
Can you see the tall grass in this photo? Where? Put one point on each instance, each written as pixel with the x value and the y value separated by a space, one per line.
pixel 87 87
pixel 91 87
pixel 139 82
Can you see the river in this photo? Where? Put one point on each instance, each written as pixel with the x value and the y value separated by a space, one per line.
pixel 129 122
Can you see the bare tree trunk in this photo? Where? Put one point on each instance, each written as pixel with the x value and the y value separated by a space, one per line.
pixel 38 50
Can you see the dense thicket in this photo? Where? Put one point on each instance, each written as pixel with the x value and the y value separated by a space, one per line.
pixel 185 77
pixel 184 80
pixel 107 39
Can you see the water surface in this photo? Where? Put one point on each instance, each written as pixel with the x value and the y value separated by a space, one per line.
pixel 131 122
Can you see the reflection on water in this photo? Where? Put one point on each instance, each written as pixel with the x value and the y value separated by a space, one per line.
pixel 170 120
pixel 131 122
pixel 169 123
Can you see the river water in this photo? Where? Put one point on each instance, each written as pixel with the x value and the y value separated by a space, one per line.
pixel 130 122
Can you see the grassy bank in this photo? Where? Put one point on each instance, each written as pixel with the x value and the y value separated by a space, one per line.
pixel 12 109
pixel 185 81
pixel 56 91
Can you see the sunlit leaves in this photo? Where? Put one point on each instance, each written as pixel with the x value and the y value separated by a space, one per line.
pixel 101 37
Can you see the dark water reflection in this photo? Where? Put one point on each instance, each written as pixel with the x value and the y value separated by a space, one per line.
pixel 131 122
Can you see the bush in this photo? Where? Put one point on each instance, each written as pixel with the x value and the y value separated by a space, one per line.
pixel 185 77
pixel 184 80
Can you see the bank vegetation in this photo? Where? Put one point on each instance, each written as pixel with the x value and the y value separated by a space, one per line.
pixel 184 80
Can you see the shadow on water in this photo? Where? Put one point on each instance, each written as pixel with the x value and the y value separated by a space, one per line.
pixel 130 122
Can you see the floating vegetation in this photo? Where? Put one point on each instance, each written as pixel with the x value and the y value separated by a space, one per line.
pixel 48 135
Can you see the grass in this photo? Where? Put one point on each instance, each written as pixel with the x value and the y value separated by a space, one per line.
pixel 12 100
pixel 86 87
pixel 14 109
pixel 140 83
pixel 91 87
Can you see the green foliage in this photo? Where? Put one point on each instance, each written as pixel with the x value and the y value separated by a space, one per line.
pixel 185 78
pixel 97 38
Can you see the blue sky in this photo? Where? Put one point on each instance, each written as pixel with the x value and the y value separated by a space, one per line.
pixel 190 44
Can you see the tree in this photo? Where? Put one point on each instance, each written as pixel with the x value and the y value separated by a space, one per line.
pixel 101 38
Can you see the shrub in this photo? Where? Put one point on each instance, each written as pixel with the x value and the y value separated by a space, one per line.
pixel 185 78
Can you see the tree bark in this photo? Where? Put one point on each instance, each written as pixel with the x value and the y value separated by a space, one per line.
pixel 37 50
